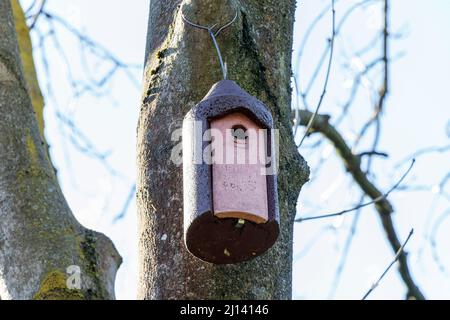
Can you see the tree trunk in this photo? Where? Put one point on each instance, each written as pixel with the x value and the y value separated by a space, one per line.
pixel 181 66
pixel 39 237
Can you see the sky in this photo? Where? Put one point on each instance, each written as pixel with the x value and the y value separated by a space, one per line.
pixel 417 115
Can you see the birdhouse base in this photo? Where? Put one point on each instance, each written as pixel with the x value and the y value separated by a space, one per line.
pixel 241 215
pixel 227 240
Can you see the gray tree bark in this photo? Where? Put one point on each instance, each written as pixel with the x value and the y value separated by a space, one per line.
pixel 180 67
pixel 39 236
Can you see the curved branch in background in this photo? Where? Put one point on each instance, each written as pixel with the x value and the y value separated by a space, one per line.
pixel 383 206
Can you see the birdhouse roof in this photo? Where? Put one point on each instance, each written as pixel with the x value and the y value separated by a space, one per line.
pixel 225 97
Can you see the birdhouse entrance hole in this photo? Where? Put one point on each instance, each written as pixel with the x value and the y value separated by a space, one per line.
pixel 239 132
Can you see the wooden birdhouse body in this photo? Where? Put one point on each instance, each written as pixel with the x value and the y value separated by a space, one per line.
pixel 230 198
pixel 238 181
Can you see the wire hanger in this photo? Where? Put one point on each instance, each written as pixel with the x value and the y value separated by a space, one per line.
pixel 213 36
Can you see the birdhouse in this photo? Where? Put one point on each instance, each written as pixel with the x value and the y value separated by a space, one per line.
pixel 229 176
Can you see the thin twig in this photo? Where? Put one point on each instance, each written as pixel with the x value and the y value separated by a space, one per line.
pixel 30 8
pixel 433 242
pixel 327 77
pixel 397 256
pixel 373 153
pixel 345 251
pixel 425 151
pixel 126 205
pixel 36 16
pixel 382 197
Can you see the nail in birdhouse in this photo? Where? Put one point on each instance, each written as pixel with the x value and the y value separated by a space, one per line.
pixel 229 176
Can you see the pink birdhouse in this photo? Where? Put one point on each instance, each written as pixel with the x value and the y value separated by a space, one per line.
pixel 229 182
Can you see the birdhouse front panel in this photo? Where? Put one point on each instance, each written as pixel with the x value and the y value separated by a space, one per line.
pixel 238 180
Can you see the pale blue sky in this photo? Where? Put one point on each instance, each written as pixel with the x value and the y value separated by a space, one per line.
pixel 416 116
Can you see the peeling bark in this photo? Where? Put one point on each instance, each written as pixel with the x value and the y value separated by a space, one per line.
pixel 39 236
pixel 181 66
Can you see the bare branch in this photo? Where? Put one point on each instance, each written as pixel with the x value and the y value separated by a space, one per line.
pixel 345 251
pixel 362 205
pixel 124 210
pixel 36 16
pixel 434 246
pixel 353 165
pixel 400 252
pixel 424 151
pixel 327 77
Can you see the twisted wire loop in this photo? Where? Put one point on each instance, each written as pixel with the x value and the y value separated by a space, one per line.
pixel 213 35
